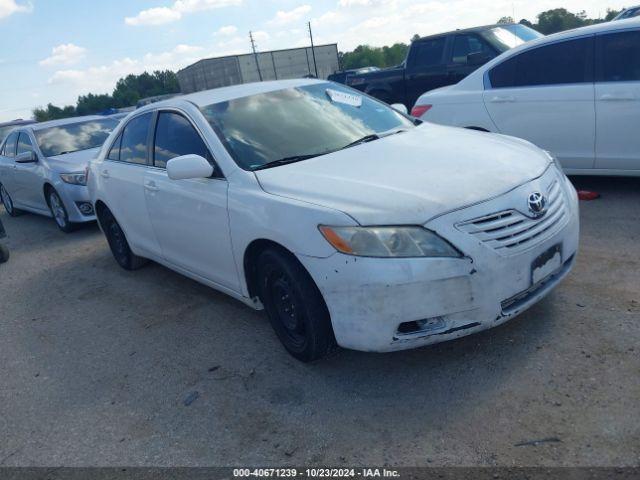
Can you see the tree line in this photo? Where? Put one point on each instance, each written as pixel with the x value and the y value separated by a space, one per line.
pixel 132 88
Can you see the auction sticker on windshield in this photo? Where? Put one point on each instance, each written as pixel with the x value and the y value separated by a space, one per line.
pixel 345 98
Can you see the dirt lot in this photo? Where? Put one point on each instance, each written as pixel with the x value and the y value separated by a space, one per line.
pixel 106 367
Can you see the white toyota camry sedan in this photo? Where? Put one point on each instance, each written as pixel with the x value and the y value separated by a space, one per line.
pixel 574 93
pixel 347 221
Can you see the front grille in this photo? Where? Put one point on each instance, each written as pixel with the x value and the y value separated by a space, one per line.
pixel 510 231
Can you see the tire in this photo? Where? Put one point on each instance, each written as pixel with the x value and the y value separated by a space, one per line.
pixel 4 253
pixel 294 305
pixel 8 203
pixel 59 212
pixel 118 243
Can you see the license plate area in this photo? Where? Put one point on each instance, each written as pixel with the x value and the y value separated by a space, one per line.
pixel 546 263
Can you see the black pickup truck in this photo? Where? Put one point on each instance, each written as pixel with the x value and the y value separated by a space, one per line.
pixel 440 60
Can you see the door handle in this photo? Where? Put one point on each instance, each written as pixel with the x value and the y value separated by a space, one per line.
pixel 105 173
pixel 616 97
pixel 151 186
pixel 502 99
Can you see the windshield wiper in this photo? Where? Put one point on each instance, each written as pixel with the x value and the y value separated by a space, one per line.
pixel 287 160
pixel 365 139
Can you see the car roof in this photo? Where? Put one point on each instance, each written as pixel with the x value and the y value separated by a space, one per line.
pixel 216 95
pixel 578 32
pixel 468 30
pixel 18 123
pixel 65 121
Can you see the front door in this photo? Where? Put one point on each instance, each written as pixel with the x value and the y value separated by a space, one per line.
pixel 189 217
pixel 29 178
pixel 545 95
pixel 617 94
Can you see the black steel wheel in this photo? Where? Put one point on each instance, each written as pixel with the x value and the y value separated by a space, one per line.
pixel 118 243
pixel 294 305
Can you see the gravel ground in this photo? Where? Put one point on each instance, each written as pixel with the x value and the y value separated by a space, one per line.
pixel 106 367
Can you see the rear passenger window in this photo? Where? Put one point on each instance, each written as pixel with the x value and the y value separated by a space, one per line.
pixel 619 57
pixel 176 136
pixel 133 148
pixel 557 64
pixel 24 143
pixel 428 52
pixel 465 45
pixel 10 145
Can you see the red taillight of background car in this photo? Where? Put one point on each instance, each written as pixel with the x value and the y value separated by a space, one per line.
pixel 419 110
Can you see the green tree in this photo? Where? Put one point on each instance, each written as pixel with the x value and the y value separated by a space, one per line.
pixel 51 112
pixel 504 20
pixel 558 20
pixel 367 56
pixel 127 92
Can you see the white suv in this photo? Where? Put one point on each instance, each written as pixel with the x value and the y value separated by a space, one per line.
pixel 346 220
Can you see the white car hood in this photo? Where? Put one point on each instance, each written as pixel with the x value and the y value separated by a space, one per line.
pixel 411 177
pixel 74 161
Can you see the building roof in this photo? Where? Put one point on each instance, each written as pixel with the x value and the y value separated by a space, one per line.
pixel 258 53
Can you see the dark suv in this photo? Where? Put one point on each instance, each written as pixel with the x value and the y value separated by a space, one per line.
pixel 440 60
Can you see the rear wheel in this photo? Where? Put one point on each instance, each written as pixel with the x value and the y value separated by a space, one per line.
pixel 4 253
pixel 59 212
pixel 8 202
pixel 118 243
pixel 294 305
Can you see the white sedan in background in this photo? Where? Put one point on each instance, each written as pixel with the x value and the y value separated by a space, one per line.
pixel 43 168
pixel 346 220
pixel 575 94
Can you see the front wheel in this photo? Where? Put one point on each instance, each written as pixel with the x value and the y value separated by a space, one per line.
pixel 118 243
pixel 59 212
pixel 8 202
pixel 295 306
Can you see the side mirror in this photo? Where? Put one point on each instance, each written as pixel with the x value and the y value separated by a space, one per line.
pixel 400 108
pixel 27 157
pixel 189 166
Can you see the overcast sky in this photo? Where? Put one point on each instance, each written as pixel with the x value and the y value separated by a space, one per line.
pixel 55 50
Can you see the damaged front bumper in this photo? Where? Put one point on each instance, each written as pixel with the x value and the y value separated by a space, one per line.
pixel 387 304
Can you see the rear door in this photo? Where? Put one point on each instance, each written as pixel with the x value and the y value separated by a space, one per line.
pixel 468 52
pixel 426 68
pixel 122 173
pixel 617 94
pixel 7 164
pixel 189 217
pixel 546 95
pixel 29 177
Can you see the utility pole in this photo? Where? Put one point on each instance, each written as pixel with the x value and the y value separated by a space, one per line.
pixel 255 55
pixel 313 51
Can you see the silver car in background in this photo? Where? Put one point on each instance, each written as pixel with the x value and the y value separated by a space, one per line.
pixel 43 168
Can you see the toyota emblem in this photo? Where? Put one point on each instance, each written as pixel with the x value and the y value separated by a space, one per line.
pixel 537 204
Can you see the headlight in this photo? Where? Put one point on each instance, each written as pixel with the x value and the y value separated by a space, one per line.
pixel 76 178
pixel 388 242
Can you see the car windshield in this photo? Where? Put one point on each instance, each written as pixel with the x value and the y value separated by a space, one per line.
pixel 629 13
pixel 508 36
pixel 299 122
pixel 74 136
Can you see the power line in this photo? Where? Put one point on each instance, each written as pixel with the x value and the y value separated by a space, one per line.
pixel 313 50
pixel 255 55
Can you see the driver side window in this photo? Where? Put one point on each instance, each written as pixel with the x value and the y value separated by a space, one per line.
pixel 176 136
pixel 10 145
pixel 24 143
